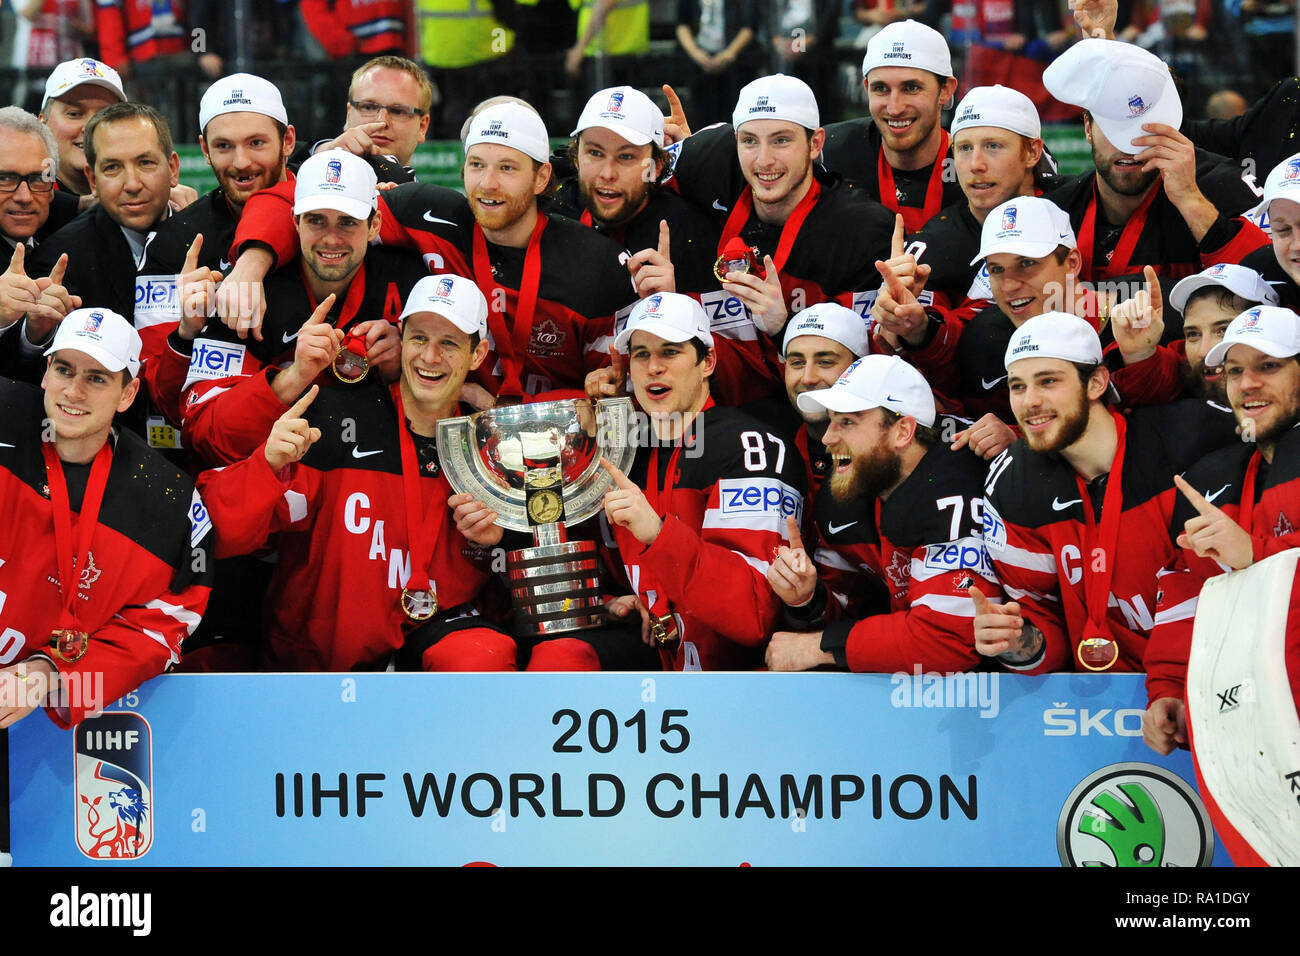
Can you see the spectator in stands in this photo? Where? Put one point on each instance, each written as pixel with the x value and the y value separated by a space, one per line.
pixel 465 44
pixel 802 37
pixel 715 34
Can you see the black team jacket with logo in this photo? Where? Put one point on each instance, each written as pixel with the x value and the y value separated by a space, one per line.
pixel 1035 529
pixel 583 279
pixel 735 484
pixel 1274 522
pixel 924 544
pixel 1162 239
pixel 229 405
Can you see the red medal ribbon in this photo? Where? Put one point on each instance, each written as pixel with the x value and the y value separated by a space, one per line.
pixel 1096 584
pixel 423 528
pixel 351 301
pixel 72 563
pixel 1119 259
pixel 789 232
pixel 1246 512
pixel 913 218
pixel 511 339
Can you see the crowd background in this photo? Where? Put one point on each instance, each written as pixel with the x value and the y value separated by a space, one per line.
pixel 707 49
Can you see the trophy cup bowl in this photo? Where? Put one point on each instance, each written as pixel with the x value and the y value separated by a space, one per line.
pixel 538 467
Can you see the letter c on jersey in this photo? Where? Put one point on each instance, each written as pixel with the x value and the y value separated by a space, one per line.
pixel 1072 563
pixel 353 519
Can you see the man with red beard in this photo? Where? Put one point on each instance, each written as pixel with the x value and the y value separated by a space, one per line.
pixel 548 322
pixel 916 506
pixel 899 152
pixel 1056 500
pixel 1238 505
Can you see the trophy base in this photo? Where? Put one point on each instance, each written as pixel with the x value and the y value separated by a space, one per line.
pixel 555 588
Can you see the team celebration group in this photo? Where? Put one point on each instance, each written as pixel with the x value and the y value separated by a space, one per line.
pixel 911 398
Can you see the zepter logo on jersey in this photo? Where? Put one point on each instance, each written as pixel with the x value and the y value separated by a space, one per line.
pixel 1134 815
pixel 995 530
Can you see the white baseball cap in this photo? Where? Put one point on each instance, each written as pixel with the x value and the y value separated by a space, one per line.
pixel 336 179
pixel 909 43
pixel 777 97
pixel 1239 280
pixel 1027 226
pixel 875 381
pixel 626 111
pixel 70 74
pixel 1272 330
pixel 671 316
pixel 1121 85
pixel 831 321
pixel 1057 335
pixel 103 335
pixel 1283 181
pixel 513 125
pixel 998 106
pixel 455 298
pixel 241 93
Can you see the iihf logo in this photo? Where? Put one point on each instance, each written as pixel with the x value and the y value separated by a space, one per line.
pixel 494 125
pixel 444 287
pixel 1136 106
pixel 615 102
pixel 652 304
pixel 333 170
pixel 1251 320
pixel 844 376
pixel 90 68
pixel 898 47
pixel 114 787
pixel 1292 169
pixel 762 102
pixel 1216 269
pixel 1008 218
pixel 92 322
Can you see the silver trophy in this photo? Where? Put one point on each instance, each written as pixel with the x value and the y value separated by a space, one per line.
pixel 538 467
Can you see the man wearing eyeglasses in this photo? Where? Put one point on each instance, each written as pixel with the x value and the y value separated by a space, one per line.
pixel 388 115
pixel 30 209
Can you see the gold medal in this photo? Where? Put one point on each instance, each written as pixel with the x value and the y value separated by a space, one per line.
pixel 736 257
pixel 545 507
pixel 69 645
pixel 419 605
pixel 1097 653
pixel 663 629
pixel 350 362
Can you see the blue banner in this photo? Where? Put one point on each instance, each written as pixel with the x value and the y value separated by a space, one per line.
pixel 612 769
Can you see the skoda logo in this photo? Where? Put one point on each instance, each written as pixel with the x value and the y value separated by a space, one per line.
pixel 1134 814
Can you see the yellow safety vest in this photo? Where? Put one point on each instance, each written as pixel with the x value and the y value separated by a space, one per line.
pixel 456 33
pixel 626 29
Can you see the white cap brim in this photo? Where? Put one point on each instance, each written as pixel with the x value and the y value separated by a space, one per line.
pixel 349 207
pixel 664 330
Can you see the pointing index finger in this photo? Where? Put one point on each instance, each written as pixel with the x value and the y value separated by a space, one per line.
pixel 620 479
pixel 16 261
pixel 1153 289
pixel 1198 501
pixel 192 256
pixel 663 238
pixel 301 406
pixel 60 267
pixel 896 243
pixel 792 526
pixel 322 310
